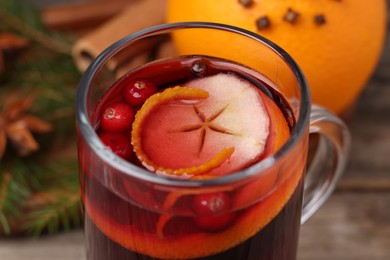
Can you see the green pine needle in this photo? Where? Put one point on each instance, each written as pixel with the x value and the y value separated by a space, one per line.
pixel 61 214
pixel 4 223
pixel 16 189
pixel 22 18
pixel 45 67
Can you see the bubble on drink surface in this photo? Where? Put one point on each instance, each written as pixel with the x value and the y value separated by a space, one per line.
pixel 199 68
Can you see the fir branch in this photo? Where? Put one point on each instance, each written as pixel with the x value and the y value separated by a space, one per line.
pixel 42 190
pixel 15 191
pixel 61 213
pixel 60 208
pixel 55 78
pixel 47 193
pixel 6 177
pixel 18 189
pixel 58 173
pixel 33 34
pixel 5 227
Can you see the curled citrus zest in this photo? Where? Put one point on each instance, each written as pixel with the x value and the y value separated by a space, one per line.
pixel 206 167
pixel 168 204
pixel 153 102
pixel 161 222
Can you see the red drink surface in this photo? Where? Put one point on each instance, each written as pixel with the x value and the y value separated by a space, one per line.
pixel 257 221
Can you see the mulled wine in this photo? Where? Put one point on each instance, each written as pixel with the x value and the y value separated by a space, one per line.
pixel 193 118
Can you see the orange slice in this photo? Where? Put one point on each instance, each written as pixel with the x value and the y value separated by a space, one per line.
pixel 153 103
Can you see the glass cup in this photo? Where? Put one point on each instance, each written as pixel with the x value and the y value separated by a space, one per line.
pixel 131 213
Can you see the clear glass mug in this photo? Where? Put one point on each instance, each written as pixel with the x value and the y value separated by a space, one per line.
pixel 131 213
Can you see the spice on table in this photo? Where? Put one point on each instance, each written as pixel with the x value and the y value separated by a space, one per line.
pixel 16 126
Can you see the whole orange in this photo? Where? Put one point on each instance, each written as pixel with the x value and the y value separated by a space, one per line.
pixel 337 43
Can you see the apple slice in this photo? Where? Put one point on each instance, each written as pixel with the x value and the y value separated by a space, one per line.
pixel 139 130
pixel 184 131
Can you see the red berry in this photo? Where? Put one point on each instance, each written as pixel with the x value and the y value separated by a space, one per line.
pixel 117 117
pixel 211 209
pixel 137 91
pixel 119 143
pixel 211 203
pixel 215 223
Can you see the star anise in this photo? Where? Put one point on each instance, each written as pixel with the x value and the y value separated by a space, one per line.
pixel 17 126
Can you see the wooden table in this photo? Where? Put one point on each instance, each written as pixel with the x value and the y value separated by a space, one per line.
pixel 353 225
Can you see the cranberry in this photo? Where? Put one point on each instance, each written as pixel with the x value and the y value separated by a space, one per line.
pixel 211 209
pixel 119 143
pixel 137 91
pixel 117 117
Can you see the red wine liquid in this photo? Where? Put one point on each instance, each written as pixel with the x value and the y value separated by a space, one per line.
pixel 109 216
pixel 276 241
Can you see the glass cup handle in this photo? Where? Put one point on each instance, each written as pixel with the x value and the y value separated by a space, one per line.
pixel 329 159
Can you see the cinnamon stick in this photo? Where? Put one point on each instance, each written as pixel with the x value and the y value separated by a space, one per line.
pixel 81 16
pixel 166 49
pixel 161 50
pixel 137 60
pixel 137 16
